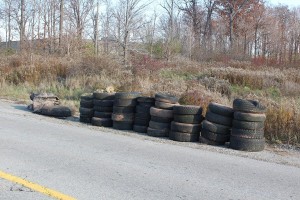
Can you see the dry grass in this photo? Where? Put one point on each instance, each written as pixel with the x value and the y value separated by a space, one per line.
pixel 195 83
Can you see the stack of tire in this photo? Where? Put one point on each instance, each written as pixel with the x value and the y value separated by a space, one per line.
pixel 161 115
pixel 186 126
pixel 247 132
pixel 142 114
pixel 124 110
pixel 103 106
pixel 86 108
pixel 216 127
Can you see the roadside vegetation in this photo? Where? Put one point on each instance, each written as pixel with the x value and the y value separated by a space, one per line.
pixel 196 83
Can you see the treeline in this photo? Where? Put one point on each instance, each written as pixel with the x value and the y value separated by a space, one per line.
pixel 195 29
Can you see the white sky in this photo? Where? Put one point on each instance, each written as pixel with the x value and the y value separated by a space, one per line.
pixel 155 4
pixel 286 2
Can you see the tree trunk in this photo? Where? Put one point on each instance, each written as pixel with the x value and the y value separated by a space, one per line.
pixel 61 23
pixel 22 25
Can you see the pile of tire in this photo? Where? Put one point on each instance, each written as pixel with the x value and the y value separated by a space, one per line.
pixel 161 115
pixel 142 114
pixel 186 126
pixel 247 132
pixel 86 109
pixel 124 110
pixel 216 127
pixel 103 107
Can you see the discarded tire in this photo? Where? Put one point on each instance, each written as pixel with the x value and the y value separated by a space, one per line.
pixel 103 106
pixel 209 142
pixel 247 125
pixel 86 103
pixel 164 105
pixel 188 119
pixel 166 98
pixel 161 112
pixel 187 110
pixel 247 144
pixel 248 106
pixel 183 137
pixel 158 132
pixel 122 125
pixel 216 127
pixel 250 117
pixel 142 114
pixel 56 111
pixel 124 110
pixel 218 119
pixel 121 117
pixel 103 96
pixel 161 115
pixel 219 138
pixel 140 129
pixel 104 103
pixel 186 126
pixel 247 132
pixel 221 110
pixel 105 122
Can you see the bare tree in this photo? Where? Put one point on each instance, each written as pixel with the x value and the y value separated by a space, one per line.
pixel 128 18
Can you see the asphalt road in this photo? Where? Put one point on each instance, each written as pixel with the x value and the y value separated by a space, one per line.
pixel 97 164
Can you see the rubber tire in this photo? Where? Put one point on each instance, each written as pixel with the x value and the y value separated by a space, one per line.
pixel 219 138
pixel 164 105
pixel 87 97
pixel 185 128
pixel 248 106
pixel 183 137
pixel 158 132
pixel 248 125
pixel 104 96
pixel 161 119
pixel 142 109
pixel 216 128
pixel 122 117
pixel 166 98
pixel 140 129
pixel 246 144
pixel 146 100
pixel 249 117
pixel 86 111
pixel 86 104
pixel 102 114
pixel 103 103
pixel 105 122
pixel 127 109
pixel 140 122
pixel 187 110
pixel 209 142
pixel 127 95
pixel 221 109
pixel 55 111
pixel 218 119
pixel 122 125
pixel 188 119
pixel 85 120
pixel 103 109
pixel 125 102
pixel 145 116
pixel 161 112
pixel 255 134
pixel 159 125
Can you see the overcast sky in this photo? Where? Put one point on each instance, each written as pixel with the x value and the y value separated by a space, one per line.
pixel 155 4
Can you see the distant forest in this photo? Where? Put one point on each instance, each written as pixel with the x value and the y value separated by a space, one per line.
pixel 194 29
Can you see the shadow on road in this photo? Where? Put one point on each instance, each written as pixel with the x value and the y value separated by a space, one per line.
pixel 21 107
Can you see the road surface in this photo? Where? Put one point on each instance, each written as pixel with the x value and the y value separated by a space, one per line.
pixel 97 163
